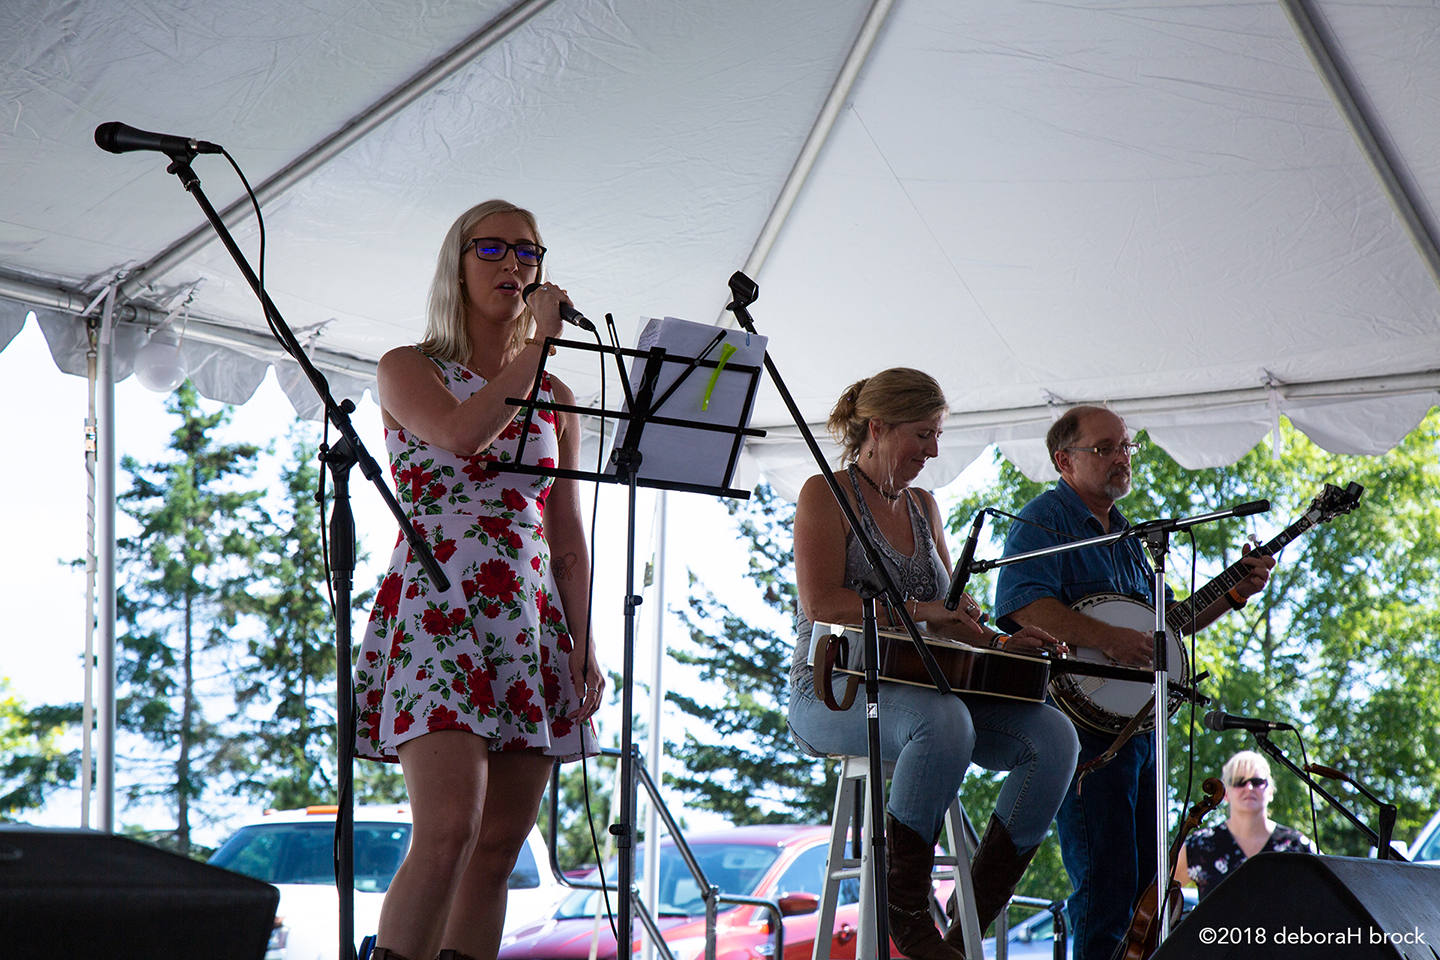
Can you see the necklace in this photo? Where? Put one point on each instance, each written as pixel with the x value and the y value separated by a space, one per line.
pixel 892 497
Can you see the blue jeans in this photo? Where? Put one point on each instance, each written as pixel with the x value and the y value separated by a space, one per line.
pixel 1107 840
pixel 932 738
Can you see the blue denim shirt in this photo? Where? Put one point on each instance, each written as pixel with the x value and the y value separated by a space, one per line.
pixel 1120 567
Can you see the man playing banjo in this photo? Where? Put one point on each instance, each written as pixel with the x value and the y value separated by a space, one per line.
pixel 1106 828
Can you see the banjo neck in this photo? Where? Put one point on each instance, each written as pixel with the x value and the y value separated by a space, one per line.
pixel 1330 503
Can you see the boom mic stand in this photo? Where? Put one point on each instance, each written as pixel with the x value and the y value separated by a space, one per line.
pixel 346 453
pixel 1381 840
pixel 746 292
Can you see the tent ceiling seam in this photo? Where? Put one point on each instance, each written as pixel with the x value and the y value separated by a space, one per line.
pixel 1343 88
pixel 814 142
pixel 1294 394
pixel 350 133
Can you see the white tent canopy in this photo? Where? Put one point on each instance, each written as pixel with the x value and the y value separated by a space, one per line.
pixel 1207 214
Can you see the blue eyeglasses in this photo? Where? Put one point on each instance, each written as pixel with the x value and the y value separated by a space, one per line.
pixel 493 248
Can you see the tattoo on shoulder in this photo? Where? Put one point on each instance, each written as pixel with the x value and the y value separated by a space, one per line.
pixel 564 565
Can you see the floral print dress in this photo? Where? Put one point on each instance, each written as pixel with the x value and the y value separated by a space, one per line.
pixel 1213 854
pixel 491 654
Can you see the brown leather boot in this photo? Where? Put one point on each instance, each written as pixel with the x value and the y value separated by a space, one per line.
pixel 995 870
pixel 911 858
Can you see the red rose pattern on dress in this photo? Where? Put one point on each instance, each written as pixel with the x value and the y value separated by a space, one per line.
pixel 489 655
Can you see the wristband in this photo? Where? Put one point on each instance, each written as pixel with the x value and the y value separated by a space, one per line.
pixel 1237 602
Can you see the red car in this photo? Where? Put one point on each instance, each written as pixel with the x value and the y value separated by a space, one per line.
pixel 783 863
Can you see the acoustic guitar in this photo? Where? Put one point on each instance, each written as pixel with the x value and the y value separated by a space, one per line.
pixel 837 648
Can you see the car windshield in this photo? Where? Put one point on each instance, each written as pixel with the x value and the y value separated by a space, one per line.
pixel 303 853
pixel 735 868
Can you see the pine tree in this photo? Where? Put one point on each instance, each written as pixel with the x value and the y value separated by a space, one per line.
pixel 185 572
pixel 31 762
pixel 289 671
pixel 747 766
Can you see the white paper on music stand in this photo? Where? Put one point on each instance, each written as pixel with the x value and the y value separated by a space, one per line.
pixel 680 454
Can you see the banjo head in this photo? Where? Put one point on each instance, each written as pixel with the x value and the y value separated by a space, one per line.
pixel 1106 706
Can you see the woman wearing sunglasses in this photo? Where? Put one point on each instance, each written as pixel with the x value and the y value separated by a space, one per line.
pixel 476 691
pixel 1213 853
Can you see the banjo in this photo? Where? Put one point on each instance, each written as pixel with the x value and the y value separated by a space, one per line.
pixel 1107 705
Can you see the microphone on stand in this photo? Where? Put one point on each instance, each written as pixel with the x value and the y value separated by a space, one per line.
pixel 119 138
pixel 1219 720
pixel 567 313
pixel 967 557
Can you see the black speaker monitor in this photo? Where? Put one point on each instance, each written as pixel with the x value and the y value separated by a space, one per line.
pixel 82 894
pixel 1289 906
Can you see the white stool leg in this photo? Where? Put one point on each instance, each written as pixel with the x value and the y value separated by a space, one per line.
pixel 838 866
pixel 962 841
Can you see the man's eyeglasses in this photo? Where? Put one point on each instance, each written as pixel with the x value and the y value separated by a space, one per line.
pixel 1259 783
pixel 492 248
pixel 1107 450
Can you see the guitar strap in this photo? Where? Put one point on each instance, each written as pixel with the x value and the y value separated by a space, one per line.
pixel 1090 766
pixel 824 668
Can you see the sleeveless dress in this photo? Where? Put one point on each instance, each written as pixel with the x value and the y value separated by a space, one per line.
pixel 491 654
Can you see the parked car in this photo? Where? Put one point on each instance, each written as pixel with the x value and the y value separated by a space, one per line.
pixel 1035 935
pixel 782 863
pixel 1426 848
pixel 293 850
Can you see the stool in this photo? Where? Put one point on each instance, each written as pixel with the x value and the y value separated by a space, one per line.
pixel 851 795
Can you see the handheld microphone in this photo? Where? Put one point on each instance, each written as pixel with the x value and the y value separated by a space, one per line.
pixel 967 557
pixel 567 313
pixel 119 138
pixel 1219 720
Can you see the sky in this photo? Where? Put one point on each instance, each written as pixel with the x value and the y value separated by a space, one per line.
pixel 43 527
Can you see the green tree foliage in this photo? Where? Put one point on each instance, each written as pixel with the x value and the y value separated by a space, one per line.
pixel 594 779
pixel 288 674
pixel 1343 643
pixel 746 766
pixel 185 571
pixel 31 762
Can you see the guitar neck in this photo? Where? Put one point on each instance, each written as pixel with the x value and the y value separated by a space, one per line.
pixel 1179 616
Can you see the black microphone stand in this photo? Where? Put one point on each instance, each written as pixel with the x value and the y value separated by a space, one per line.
pixel 745 292
pixel 1388 812
pixel 346 453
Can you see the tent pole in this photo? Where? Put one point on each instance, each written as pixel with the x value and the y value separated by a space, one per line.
pixel 1398 187
pixel 819 134
pixel 657 703
pixel 87 717
pixel 105 563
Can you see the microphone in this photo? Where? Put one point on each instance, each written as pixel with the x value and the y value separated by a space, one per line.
pixel 967 557
pixel 1254 506
pixel 567 313
pixel 119 138
pixel 1219 720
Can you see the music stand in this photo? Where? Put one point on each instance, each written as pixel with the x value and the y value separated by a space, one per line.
pixel 746 292
pixel 661 379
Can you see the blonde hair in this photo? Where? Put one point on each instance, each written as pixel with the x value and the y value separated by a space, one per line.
pixel 897 395
pixel 1247 764
pixel 445 335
